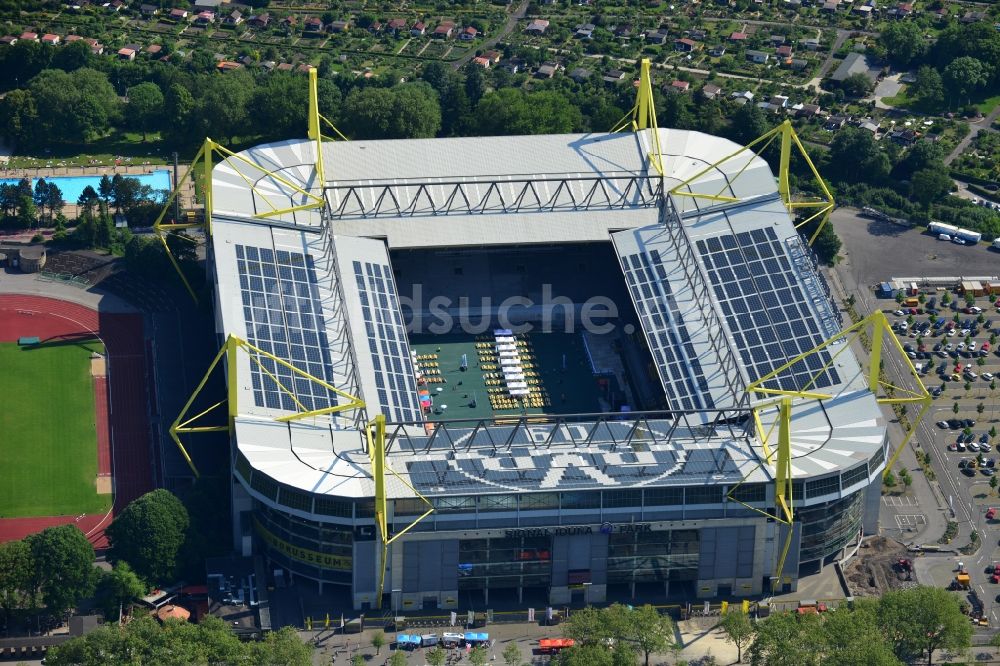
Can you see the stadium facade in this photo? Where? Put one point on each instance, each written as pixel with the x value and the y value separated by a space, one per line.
pixel 675 496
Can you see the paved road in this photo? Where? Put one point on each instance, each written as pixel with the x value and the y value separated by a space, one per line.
pixel 511 23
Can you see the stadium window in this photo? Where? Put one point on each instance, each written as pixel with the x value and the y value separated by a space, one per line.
pixel 856 475
pixel 622 498
pixel 663 496
pixel 455 504
pixel 539 501
pixel 820 487
pixel 332 507
pixel 796 490
pixel 459 270
pixel 365 508
pixel 748 492
pixel 410 507
pixel 498 503
pixel 581 500
pixel 296 499
pixel 703 495
pixel 243 466
pixel 265 485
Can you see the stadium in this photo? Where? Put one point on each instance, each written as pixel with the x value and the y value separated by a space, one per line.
pixel 534 369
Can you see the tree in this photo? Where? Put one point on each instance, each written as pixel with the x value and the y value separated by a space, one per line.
pixel 739 631
pixel 856 85
pixel 479 655
pixel 116 588
pixel 104 188
pixel 145 107
pixel 923 155
pixel 435 657
pixel 853 636
pixel 55 201
pixel 980 408
pixel 855 156
pixel 586 655
pixel 19 116
pixel 922 619
pixel 64 566
pixel 648 630
pixel 282 647
pixel 785 639
pixel 955 408
pixel 148 535
pixel 16 567
pixel 929 185
pixel 475 83
pixel 889 480
pixel 903 42
pixel 397 659
pixel 512 654
pixel 378 641
pixel 511 111
pixel 79 105
pixel 748 123
pixel 964 76
pixel 359 659
pixel 224 104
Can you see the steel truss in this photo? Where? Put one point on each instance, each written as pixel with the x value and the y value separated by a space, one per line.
pixel 534 194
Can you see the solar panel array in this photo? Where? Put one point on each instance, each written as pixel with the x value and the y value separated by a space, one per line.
pixel 283 315
pixel 390 353
pixel 766 308
pixel 666 332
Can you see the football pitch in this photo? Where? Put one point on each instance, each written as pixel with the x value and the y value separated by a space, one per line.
pixel 48 437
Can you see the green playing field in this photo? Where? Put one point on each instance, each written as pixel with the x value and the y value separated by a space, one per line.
pixel 48 437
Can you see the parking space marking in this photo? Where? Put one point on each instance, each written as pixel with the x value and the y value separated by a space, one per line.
pixel 910 520
pixel 900 500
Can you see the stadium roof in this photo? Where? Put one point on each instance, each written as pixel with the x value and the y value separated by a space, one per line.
pixel 725 294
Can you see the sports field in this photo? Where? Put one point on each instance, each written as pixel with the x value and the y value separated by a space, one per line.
pixel 48 436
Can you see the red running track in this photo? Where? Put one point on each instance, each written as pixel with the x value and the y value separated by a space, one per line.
pixel 126 454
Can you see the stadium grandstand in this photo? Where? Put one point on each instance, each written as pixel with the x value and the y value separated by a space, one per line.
pixel 533 368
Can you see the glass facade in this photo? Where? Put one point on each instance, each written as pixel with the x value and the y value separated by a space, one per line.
pixel 646 557
pixel 829 527
pixel 505 562
pixel 318 550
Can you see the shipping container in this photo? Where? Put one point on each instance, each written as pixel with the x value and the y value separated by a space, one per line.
pixel 969 236
pixel 942 228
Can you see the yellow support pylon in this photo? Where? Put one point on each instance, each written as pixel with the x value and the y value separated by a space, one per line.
pixel 643 115
pixel 233 344
pixel 789 139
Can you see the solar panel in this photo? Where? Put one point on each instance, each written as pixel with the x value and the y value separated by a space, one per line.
pixel 283 316
pixel 765 307
pixel 390 352
pixel 666 332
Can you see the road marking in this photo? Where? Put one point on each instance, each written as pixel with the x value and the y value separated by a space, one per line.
pixel 893 500
pixel 911 520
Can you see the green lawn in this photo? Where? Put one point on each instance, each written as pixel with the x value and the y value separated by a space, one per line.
pixel 48 440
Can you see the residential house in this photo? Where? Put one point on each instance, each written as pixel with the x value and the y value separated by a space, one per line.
pixel 796 64
pixel 95 46
pixel 513 66
pixel 205 18
pixel 284 67
pixel 8 40
pixel 809 111
pixel 777 40
pixel 304 68
pixel 375 27
pixel 126 54
pixel 154 49
pixel 260 21
pixel 757 57
pixel 69 39
pixel 419 29
pixel 869 125
pixel 116 6
pixel 468 34
pixel 247 61
pixel 584 31
pixel 904 137
pixel 395 26
pixel 710 90
pixel 811 44
pixel 580 74
pixel 864 10
pixel 658 36
pixel 717 51
pixel 613 76
pixel 340 26
pixel 831 6
pixel 784 52
pixel 29 37
pixel 738 37
pixel 149 10
pixel 685 45
pixel 234 19
pixel 623 31
pixel 228 66
pixel 178 14
pixel 742 97
pixel 973 17
pixel 941 13
pixel 50 39
pixel 679 86
pixel 444 30
pixel 481 61
pixel 855 63
pixel 547 71
pixel 902 10
pixel 779 101
pixel 537 27
pixel 268 65
pixel 834 123
pixel 793 5
pixel 312 26
pixel 698 35
pixel 207 5
pixel 493 56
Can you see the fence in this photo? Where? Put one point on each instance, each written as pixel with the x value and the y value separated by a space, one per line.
pixel 64 278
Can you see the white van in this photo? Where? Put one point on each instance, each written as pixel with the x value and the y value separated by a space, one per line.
pixel 452 640
pixel 944 237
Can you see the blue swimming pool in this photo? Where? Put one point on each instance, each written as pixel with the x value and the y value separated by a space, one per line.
pixel 72 186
